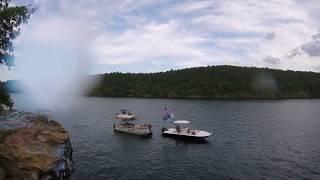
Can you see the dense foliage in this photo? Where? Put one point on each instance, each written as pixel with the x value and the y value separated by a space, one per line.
pixel 10 19
pixel 215 82
pixel 5 97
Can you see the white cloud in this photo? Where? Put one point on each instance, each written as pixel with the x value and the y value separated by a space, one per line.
pixel 151 42
pixel 312 48
pixel 271 60
pixel 181 33
pixel 270 36
pixel 60 31
pixel 190 6
pixel 316 68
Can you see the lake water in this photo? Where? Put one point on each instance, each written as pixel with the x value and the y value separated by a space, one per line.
pixel 251 139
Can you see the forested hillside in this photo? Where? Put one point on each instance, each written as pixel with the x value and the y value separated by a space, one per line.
pixel 214 82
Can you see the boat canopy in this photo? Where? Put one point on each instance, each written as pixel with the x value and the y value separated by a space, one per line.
pixel 124 116
pixel 181 122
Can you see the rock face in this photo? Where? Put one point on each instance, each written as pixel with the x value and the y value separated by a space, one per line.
pixel 33 147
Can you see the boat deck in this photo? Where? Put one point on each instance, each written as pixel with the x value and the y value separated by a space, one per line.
pixel 187 133
pixel 134 129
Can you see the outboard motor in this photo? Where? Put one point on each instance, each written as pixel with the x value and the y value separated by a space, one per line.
pixel 164 129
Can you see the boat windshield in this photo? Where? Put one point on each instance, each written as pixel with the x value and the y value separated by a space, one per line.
pixel 125 111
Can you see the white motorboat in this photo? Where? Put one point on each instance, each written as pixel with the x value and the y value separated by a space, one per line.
pixel 182 130
pixel 123 122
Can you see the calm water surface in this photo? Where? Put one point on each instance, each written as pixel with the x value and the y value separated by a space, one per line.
pixel 251 139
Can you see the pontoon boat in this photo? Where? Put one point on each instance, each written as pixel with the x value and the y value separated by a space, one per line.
pixel 123 122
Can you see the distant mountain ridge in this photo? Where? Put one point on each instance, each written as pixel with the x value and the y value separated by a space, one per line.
pixel 212 82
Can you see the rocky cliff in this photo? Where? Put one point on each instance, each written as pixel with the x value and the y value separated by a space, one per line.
pixel 33 147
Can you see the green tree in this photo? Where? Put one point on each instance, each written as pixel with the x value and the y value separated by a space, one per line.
pixel 212 82
pixel 5 97
pixel 11 18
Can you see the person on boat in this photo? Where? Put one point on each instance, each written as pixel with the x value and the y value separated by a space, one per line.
pixel 178 129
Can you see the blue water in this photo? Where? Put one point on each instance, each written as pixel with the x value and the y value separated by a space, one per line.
pixel 251 139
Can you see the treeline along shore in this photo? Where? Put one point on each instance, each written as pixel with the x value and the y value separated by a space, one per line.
pixel 212 82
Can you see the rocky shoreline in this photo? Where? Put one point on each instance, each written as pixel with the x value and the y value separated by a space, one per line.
pixel 32 146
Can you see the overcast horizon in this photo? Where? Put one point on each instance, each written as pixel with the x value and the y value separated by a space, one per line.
pixel 67 36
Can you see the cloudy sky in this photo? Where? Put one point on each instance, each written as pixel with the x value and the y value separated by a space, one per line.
pixel 100 36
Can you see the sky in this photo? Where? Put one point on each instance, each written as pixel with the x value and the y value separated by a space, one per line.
pixel 65 37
